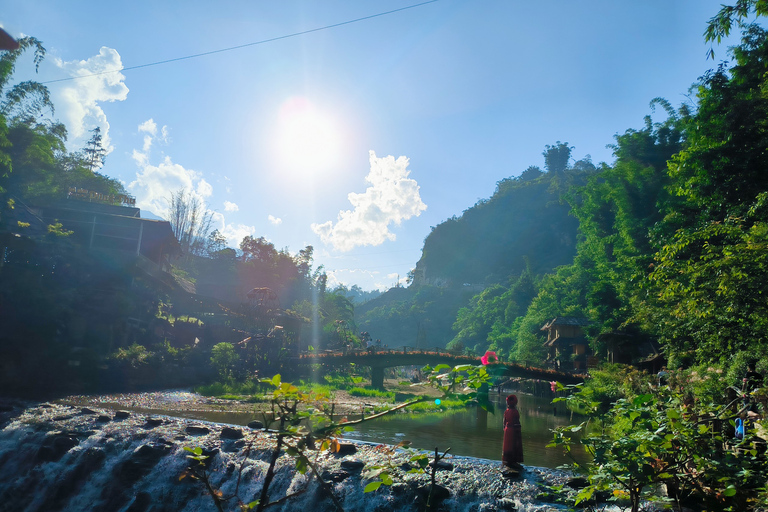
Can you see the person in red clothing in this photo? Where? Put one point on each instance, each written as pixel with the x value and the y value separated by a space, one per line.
pixel 512 449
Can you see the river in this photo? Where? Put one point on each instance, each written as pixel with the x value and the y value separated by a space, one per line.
pixel 466 432
pixel 474 434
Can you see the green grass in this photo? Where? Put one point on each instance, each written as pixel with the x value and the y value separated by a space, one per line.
pixel 232 391
pixel 371 393
pixel 431 406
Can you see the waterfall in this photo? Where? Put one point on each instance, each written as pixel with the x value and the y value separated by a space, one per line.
pixel 62 458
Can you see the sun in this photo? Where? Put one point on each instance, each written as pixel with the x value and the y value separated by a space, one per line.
pixel 307 139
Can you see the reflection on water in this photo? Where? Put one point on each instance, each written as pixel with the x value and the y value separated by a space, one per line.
pixel 470 433
pixel 467 432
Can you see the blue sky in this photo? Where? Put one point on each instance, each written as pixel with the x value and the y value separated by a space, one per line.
pixel 355 139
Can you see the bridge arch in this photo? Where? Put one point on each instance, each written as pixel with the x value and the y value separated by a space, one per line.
pixel 378 360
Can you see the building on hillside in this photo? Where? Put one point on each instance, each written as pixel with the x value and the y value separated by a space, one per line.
pixel 117 231
pixel 566 344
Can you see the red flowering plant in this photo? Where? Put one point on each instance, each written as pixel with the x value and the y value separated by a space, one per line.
pixel 489 357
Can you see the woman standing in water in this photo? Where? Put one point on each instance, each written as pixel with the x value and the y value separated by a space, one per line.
pixel 512 449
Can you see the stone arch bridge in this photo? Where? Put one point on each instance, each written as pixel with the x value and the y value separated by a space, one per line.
pixel 378 360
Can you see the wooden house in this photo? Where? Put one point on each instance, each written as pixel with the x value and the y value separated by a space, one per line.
pixel 566 344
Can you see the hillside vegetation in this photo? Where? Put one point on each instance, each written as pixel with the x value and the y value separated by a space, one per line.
pixel 667 243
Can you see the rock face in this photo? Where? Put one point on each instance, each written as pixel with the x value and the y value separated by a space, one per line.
pixel 82 463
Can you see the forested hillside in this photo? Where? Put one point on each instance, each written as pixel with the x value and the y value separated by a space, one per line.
pixel 672 239
pixel 524 228
pixel 526 218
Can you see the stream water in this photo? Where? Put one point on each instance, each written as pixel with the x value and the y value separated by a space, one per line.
pixel 474 433
pixel 468 432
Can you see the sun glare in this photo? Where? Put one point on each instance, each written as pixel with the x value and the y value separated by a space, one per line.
pixel 308 141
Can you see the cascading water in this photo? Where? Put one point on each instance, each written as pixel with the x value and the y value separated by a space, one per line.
pixel 64 458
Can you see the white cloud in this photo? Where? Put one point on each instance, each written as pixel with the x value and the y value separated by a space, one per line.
pixel 392 198
pixel 78 102
pixel 275 220
pixel 230 207
pixel 204 189
pixel 149 126
pixel 349 276
pixel 236 232
pixel 155 182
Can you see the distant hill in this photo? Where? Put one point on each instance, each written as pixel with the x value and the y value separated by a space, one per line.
pixel 525 222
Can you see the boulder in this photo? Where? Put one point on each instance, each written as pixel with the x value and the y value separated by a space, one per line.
pixel 231 433
pixel 255 425
pixel 506 504
pixel 121 415
pixel 334 476
pixel 442 465
pixel 56 445
pixel 439 493
pixel 346 449
pixel 578 482
pixel 141 461
pixel 152 423
pixel 352 466
pixel 197 430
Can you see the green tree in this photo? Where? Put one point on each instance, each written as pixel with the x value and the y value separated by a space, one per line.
pixel 705 293
pixel 94 152
pixel 557 157
pixel 224 359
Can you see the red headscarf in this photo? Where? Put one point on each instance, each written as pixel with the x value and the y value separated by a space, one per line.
pixel 512 400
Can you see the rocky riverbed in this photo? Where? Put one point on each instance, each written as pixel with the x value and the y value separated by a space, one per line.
pixel 71 457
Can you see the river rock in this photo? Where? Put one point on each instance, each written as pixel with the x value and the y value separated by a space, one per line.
pixel 141 503
pixel 255 425
pixel 141 461
pixel 442 465
pixel 232 446
pixel 346 449
pixel 231 433
pixel 506 504
pixel 209 454
pixel 56 445
pixel 121 415
pixel 103 418
pixel 197 430
pixel 334 476
pixel 86 410
pixel 399 488
pixel 439 493
pixel 352 466
pixel 152 423
pixel 577 482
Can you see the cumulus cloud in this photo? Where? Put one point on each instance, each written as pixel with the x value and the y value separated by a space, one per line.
pixel 155 181
pixel 350 276
pixel 275 220
pixel 79 101
pixel 236 232
pixel 392 198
